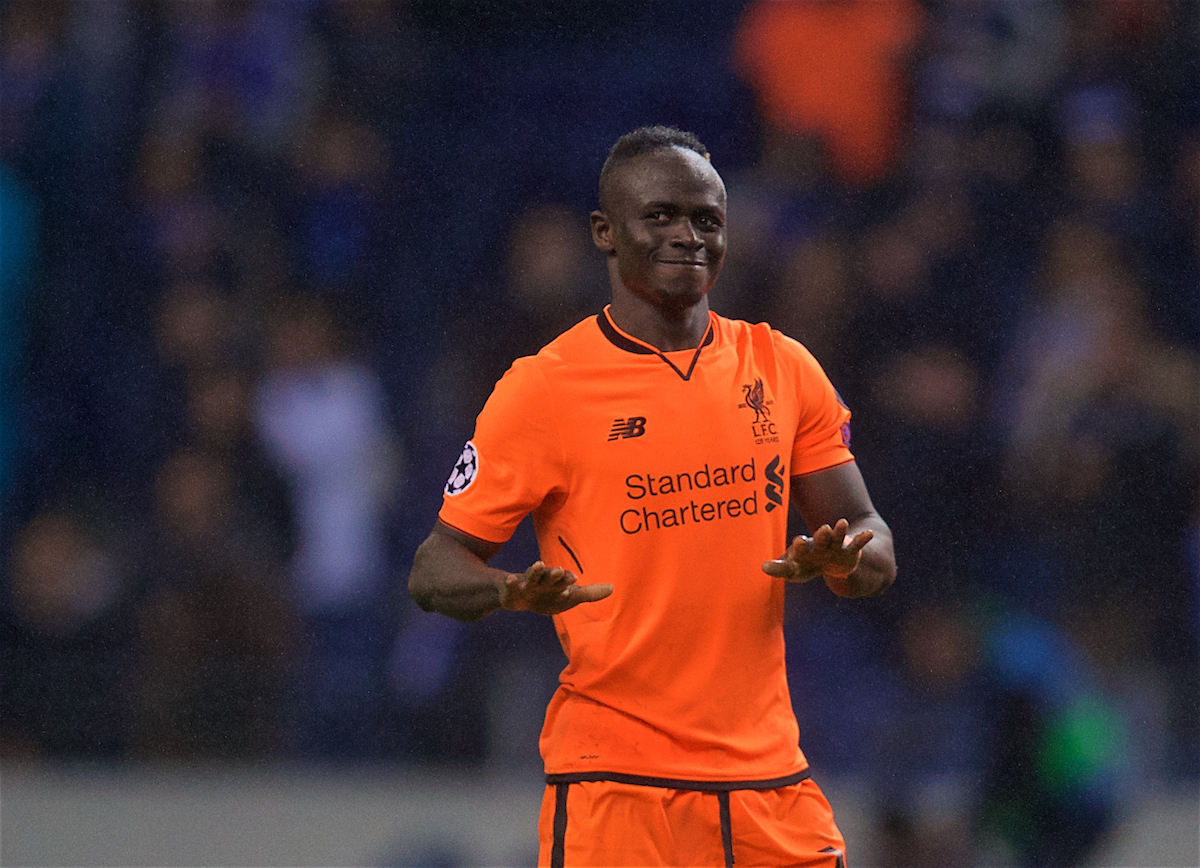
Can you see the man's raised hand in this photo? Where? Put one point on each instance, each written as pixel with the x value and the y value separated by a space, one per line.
pixel 547 591
pixel 826 553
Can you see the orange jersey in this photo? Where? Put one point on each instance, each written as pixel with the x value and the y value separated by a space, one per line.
pixel 666 475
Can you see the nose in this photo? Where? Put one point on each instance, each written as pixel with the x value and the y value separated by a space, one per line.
pixel 686 236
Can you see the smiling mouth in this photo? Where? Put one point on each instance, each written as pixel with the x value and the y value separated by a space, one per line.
pixel 692 262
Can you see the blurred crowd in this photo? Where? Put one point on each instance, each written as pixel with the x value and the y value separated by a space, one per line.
pixel 262 262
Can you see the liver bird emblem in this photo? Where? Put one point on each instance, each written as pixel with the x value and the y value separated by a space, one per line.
pixel 755 399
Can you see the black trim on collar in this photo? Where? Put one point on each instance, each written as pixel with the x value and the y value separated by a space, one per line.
pixel 620 341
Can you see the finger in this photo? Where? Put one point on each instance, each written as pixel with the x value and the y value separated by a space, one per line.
pixel 839 532
pixel 556 579
pixel 823 537
pixel 514 585
pixel 860 539
pixel 799 546
pixel 542 577
pixel 788 570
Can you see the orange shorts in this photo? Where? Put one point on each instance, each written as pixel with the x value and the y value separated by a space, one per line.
pixel 608 823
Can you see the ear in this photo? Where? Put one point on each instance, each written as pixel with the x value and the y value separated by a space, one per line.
pixel 602 232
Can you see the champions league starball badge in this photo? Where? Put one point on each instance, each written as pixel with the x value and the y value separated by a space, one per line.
pixel 464 471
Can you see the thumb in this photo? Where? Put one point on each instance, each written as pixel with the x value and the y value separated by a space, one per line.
pixel 779 568
pixel 577 594
pixel 591 593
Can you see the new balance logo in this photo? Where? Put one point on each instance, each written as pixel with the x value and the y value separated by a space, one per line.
pixel 634 426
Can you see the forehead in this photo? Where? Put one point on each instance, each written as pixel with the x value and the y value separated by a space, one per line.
pixel 668 175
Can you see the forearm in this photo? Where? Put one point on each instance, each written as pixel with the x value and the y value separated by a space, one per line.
pixel 448 579
pixel 876 569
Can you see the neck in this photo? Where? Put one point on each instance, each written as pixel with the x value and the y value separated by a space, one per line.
pixel 666 330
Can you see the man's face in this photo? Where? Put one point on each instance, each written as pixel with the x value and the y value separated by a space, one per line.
pixel 664 227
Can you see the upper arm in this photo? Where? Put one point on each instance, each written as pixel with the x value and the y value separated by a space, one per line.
pixel 443 533
pixel 449 562
pixel 825 496
pixel 512 462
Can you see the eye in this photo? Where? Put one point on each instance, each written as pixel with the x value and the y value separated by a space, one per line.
pixel 658 216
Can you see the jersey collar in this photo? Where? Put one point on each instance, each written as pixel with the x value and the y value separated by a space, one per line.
pixel 630 344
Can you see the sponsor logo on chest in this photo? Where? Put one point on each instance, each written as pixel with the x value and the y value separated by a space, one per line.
pixel 702 494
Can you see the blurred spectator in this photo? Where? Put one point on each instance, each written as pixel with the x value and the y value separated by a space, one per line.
pixel 785 199
pixel 929 767
pixel 1086 359
pixel 1102 167
pixel 217 411
pixel 836 70
pixel 1095 407
pixel 1113 36
pixel 837 653
pixel 193 328
pixel 551 275
pixel 1107 182
pixel 986 52
pixel 814 300
pixel 322 420
pixel 1011 182
pixel 1117 638
pixel 201 341
pixel 248 72
pixel 182 232
pixel 65 638
pixel 214 632
pixel 922 279
pixel 927 408
pixel 342 165
pixel 1059 748
pixel 31 56
pixel 376 55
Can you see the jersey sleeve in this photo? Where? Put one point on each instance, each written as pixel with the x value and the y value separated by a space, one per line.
pixel 512 461
pixel 823 433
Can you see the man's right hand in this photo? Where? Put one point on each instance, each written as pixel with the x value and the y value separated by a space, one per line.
pixel 547 591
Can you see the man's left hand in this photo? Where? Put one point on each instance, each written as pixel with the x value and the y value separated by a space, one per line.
pixel 827 552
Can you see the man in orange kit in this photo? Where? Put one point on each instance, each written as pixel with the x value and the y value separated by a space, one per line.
pixel 657 445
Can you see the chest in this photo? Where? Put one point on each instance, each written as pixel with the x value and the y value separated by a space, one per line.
pixel 647 420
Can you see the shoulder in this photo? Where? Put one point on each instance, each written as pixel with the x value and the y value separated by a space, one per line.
pixel 764 338
pixel 578 344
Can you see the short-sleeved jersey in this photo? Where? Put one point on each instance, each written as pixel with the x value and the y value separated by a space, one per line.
pixel 666 475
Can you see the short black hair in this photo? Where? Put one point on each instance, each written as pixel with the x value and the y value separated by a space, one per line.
pixel 643 140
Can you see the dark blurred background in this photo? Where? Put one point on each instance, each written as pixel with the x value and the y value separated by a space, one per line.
pixel 262 262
